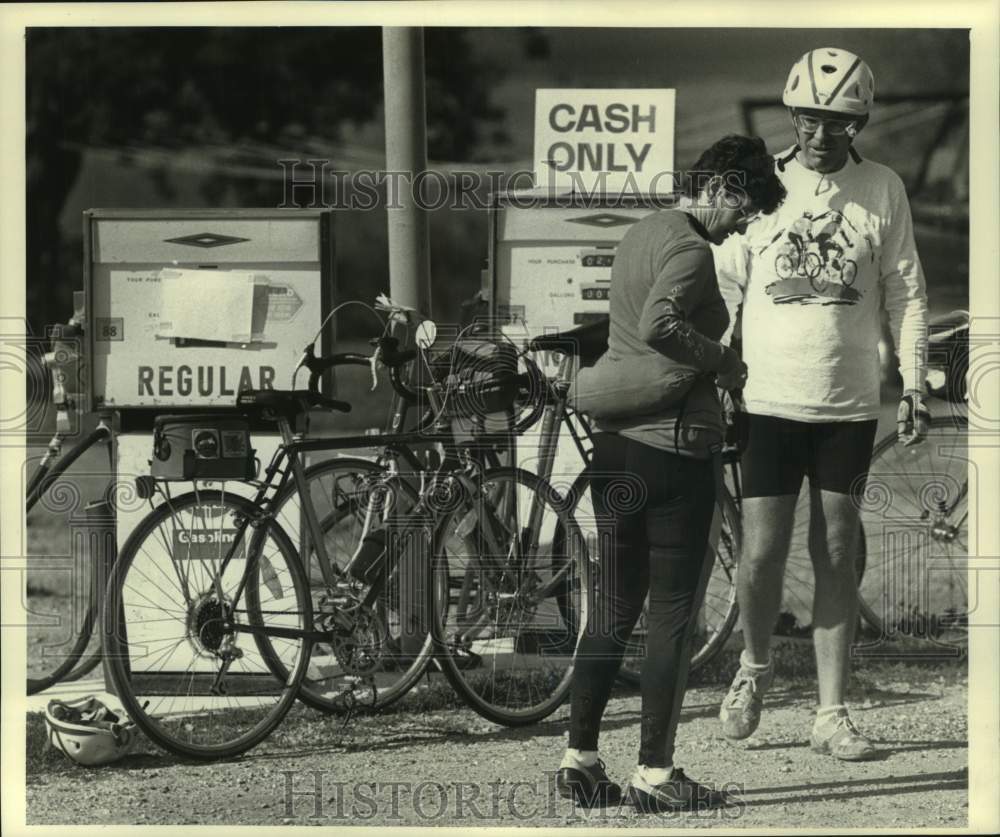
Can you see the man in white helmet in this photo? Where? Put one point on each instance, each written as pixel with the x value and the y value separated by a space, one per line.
pixel 813 279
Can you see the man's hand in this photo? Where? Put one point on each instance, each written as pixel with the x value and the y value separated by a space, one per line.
pixel 913 419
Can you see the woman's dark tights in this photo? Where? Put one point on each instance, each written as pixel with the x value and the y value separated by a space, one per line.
pixel 654 512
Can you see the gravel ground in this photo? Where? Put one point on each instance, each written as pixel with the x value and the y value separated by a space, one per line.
pixel 450 767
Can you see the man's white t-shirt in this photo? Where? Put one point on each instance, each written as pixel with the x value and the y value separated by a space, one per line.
pixel 814 277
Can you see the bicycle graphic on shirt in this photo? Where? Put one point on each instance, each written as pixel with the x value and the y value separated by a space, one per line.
pixel 819 258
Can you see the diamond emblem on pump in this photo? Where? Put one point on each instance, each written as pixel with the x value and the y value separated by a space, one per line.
pixel 604 220
pixel 206 239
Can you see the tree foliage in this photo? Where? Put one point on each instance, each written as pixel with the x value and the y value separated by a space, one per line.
pixel 196 87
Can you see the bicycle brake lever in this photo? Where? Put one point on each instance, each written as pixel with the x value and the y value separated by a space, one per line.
pixel 308 354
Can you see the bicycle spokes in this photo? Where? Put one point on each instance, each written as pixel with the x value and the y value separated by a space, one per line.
pixel 516 597
pixel 209 624
pixel 915 513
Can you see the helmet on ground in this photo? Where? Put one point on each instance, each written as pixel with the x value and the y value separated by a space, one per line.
pixel 88 732
pixel 830 79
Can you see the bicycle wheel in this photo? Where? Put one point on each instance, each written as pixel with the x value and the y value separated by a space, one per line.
pixel 61 592
pixel 719 611
pixel 86 665
pixel 193 686
pixel 517 596
pixel 784 266
pixel 814 270
pixel 915 511
pixel 341 491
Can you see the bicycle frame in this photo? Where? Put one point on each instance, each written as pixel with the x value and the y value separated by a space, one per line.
pixel 286 464
pixel 558 412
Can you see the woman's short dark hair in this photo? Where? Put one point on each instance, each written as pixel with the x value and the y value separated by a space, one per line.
pixel 745 167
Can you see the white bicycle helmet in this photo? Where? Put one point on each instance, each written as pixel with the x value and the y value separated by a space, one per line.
pixel 830 79
pixel 88 732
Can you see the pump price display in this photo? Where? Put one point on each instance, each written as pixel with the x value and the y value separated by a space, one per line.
pixel 596 294
pixel 597 260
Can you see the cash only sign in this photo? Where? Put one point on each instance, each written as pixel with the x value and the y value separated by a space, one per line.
pixel 605 141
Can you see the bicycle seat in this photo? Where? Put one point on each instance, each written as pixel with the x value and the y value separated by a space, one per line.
pixel 286 402
pixel 587 342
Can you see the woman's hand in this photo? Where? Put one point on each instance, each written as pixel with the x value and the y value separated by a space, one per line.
pixel 733 374
pixel 734 379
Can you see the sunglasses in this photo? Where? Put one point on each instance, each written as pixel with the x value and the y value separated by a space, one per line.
pixel 833 127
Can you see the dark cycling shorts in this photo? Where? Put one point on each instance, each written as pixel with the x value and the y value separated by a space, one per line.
pixel 833 454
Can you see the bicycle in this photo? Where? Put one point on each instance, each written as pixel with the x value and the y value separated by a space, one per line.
pixel 719 612
pixel 76 661
pixel 349 493
pixel 916 513
pixel 73 660
pixel 495 592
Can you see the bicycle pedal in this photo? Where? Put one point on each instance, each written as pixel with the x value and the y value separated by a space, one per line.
pixel 466 661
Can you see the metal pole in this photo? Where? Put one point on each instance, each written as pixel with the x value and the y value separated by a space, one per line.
pixel 406 153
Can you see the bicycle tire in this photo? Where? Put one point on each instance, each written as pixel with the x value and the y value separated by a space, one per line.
pixel 517 669
pixel 174 707
pixel 915 510
pixel 849 272
pixel 64 670
pixel 719 611
pixel 339 489
pixel 784 266
pixel 87 664
pixel 813 267
pixel 66 665
pixel 33 483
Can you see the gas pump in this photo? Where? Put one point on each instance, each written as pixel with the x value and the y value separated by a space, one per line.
pixel 603 160
pixel 184 308
pixel 550 261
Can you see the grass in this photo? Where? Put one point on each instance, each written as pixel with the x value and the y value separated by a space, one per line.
pixel 794 665
pixel 40 757
pixel 795 662
pixel 34 588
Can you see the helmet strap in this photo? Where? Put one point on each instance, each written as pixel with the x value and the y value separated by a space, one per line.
pixel 783 161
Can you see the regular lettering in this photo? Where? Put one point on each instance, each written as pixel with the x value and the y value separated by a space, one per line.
pixel 201 381
pixel 145 380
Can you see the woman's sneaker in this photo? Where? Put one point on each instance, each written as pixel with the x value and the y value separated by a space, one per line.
pixel 841 739
pixel 587 786
pixel 740 710
pixel 678 793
